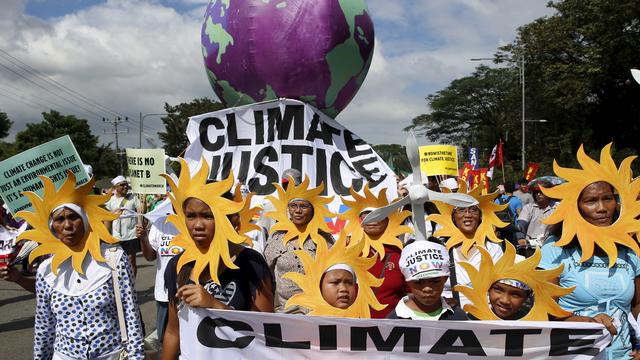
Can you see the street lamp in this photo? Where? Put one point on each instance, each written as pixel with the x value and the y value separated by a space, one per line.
pixel 523 138
pixel 142 122
pixel 523 103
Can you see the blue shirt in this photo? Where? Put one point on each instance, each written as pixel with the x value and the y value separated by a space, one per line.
pixel 515 204
pixel 599 289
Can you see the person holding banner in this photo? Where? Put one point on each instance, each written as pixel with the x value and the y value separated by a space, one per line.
pixel 594 243
pixel 126 205
pixel 215 270
pixel 299 214
pixel 86 305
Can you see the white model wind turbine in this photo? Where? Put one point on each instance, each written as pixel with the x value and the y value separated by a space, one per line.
pixel 418 195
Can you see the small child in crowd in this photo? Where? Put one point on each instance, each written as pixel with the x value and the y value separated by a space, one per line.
pixel 508 299
pixel 425 267
pixel 338 286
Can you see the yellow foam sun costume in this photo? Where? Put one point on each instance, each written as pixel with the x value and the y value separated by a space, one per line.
pixel 211 194
pixel 525 271
pixel 354 229
pixel 488 221
pixel 246 214
pixel 281 212
pixel 567 212
pixel 311 297
pixel 39 220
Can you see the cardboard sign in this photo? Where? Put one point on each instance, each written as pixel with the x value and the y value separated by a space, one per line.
pixel 20 172
pixel 439 160
pixel 144 167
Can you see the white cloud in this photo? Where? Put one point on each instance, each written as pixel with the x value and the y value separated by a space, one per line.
pixel 133 56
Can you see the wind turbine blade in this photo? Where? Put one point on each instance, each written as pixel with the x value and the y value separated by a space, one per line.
pixel 384 212
pixel 454 199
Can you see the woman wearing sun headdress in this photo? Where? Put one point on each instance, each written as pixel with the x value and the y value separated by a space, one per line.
pixel 380 241
pixel 463 231
pixel 596 247
pixel 300 214
pixel 77 313
pixel 215 270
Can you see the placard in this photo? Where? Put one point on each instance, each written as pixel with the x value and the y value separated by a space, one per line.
pixel 20 172
pixel 439 160
pixel 144 167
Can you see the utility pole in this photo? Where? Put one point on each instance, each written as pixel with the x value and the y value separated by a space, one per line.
pixel 115 132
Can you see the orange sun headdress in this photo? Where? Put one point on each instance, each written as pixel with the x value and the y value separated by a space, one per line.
pixel 354 229
pixel 212 195
pixel 247 213
pixel 485 229
pixel 41 232
pixel 281 213
pixel 567 212
pixel 525 271
pixel 311 296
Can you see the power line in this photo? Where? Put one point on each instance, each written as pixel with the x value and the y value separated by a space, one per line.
pixel 55 83
pixel 51 92
pixel 19 92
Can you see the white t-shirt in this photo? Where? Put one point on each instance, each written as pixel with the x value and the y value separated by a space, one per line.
pixel 124 227
pixel 474 259
pixel 160 240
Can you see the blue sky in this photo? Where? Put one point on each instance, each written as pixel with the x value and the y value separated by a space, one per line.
pixel 132 56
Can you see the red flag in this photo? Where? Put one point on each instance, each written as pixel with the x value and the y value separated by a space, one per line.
pixel 530 171
pixel 500 154
pixel 495 159
pixel 465 172
pixel 484 180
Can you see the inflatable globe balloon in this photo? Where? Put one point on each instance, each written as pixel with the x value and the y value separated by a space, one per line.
pixel 316 51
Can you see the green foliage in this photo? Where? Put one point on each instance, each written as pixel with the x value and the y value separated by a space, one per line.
pixel 102 158
pixel 5 125
pixel 395 156
pixel 175 135
pixel 577 64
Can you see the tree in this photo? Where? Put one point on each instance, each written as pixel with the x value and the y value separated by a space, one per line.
pixel 101 157
pixel 474 111
pixel 395 156
pixel 175 135
pixel 577 71
pixel 5 125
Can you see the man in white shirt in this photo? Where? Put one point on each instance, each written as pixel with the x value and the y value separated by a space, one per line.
pixel 124 228
pixel 532 231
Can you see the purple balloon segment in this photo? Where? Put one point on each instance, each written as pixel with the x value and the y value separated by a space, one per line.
pixel 317 51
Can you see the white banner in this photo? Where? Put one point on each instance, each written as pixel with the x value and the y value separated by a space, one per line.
pixel 259 141
pixel 226 334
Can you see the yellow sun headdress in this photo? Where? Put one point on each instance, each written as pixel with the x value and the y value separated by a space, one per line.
pixel 525 271
pixel 246 214
pixel 211 194
pixel 567 212
pixel 311 296
pixel 355 230
pixel 52 199
pixel 485 230
pixel 281 213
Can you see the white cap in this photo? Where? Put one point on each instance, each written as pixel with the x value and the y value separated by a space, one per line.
pixel 88 169
pixel 367 209
pixel 118 179
pixel 342 266
pixel 424 260
pixel 449 183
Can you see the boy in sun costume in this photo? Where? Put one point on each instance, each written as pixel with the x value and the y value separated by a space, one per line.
pixel 68 223
pixel 380 241
pixel 315 268
pixel 300 214
pixel 464 231
pixel 524 272
pixel 596 245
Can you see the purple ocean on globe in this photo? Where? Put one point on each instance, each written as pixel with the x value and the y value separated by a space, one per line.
pixel 317 51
